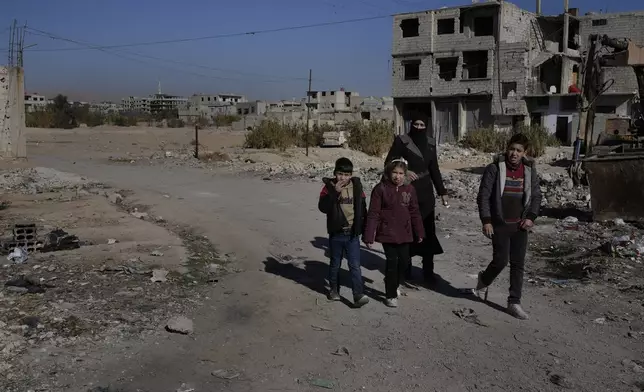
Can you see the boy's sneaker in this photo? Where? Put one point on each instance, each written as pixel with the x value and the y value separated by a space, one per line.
pixel 398 293
pixel 481 288
pixel 334 296
pixel 360 301
pixel 517 311
pixel 391 302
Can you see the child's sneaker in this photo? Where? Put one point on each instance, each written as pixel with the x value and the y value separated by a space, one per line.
pixel 398 292
pixel 360 301
pixel 517 311
pixel 334 296
pixel 391 302
pixel 481 288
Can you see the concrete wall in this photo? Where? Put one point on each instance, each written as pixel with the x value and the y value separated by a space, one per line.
pixel 13 142
pixel 619 25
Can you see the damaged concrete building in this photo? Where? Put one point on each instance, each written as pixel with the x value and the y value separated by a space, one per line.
pixel 495 64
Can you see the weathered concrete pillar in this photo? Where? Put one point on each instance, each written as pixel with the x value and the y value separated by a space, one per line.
pixel 462 120
pixel 13 143
pixel 566 32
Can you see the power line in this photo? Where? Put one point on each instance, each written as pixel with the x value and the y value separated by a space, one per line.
pixel 219 36
pixel 127 55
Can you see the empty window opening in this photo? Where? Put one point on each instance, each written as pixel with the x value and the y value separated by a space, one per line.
pixel 509 88
pixel 409 27
pixel 365 115
pixel 483 26
pixel 605 109
pixel 600 22
pixel 445 26
pixel 447 68
pixel 324 93
pixel 475 64
pixel 332 92
pixel 542 101
pixel 246 111
pixel 412 70
pixel 568 103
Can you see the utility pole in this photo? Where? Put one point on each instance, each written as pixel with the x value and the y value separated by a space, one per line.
pixel 308 113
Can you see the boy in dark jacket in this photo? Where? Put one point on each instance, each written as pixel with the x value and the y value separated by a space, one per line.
pixel 393 219
pixel 344 202
pixel 509 199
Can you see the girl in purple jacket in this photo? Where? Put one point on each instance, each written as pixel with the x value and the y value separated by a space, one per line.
pixel 393 212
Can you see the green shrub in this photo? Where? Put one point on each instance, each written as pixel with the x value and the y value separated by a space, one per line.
pixel 486 140
pixel 176 123
pixel 539 138
pixel 39 119
pixel 120 121
pixel 202 122
pixel 374 138
pixel 94 119
pixel 224 120
pixel 489 140
pixel 271 134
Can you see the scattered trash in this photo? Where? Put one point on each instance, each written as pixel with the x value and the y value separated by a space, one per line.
pixel 469 315
pixel 635 366
pixel 159 275
pixel 621 240
pixel 562 381
pixel 4 204
pixel 31 321
pixel 139 215
pixel 321 329
pixel 570 222
pixel 225 374
pixel 179 324
pixel 185 388
pixel 18 256
pixel 60 240
pixel 619 222
pixel 115 198
pixel 341 351
pixel 111 241
pixel 322 383
pixel 600 321
pixel 31 285
pixel 156 253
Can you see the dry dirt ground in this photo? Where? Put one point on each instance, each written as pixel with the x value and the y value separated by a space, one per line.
pixel 256 294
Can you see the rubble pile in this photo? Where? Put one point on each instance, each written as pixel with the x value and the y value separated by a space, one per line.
pixel 558 190
pixel 611 251
pixel 41 179
pixel 48 303
pixel 451 153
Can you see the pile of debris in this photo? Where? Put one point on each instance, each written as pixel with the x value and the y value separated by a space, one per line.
pixel 558 190
pixel 610 251
pixel 42 179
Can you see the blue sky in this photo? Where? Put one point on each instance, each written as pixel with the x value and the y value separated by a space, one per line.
pixel 355 56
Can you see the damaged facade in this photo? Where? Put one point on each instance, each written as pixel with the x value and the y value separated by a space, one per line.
pixel 445 64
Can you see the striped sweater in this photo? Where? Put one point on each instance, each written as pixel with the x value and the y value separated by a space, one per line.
pixel 512 199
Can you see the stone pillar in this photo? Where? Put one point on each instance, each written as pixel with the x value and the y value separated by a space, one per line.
pixel 566 32
pixel 13 143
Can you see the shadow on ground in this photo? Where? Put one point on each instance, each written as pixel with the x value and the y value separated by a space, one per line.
pixel 371 259
pixel 473 170
pixel 313 273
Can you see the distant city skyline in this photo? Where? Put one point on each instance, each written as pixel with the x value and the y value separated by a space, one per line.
pixel 269 66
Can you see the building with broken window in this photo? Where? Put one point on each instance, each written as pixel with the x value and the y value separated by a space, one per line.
pixel 495 64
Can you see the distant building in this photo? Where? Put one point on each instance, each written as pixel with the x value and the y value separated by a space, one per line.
pixel 255 107
pixel 287 106
pixel 135 104
pixel 211 105
pixel 35 102
pixel 333 101
pixel 104 107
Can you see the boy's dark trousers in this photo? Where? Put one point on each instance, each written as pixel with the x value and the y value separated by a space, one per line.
pixel 509 243
pixel 398 258
pixel 339 245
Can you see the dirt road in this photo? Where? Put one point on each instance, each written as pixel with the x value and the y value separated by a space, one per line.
pixel 271 324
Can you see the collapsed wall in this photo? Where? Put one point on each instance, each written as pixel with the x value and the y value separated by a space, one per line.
pixel 13 142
